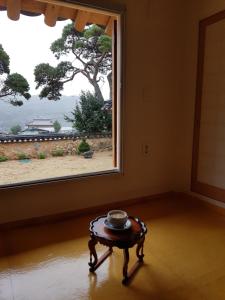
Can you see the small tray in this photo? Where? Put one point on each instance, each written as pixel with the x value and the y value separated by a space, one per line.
pixel 110 226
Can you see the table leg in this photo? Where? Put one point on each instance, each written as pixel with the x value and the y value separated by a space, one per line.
pixel 97 262
pixel 140 248
pixel 125 265
pixel 93 253
pixel 139 252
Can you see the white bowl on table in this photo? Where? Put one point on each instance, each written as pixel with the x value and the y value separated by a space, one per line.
pixel 117 218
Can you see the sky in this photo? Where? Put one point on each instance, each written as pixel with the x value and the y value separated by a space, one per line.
pixel 27 42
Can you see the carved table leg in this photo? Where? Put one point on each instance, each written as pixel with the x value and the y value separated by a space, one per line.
pixel 139 250
pixel 91 245
pixel 97 262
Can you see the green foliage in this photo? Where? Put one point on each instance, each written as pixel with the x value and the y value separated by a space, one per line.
pixel 15 129
pixel 105 43
pixel 57 152
pixel 3 158
pixel 18 84
pixel 89 117
pixel 41 155
pixel 57 126
pixel 83 147
pixel 13 85
pixel 22 156
pixel 93 30
pixel 49 77
pixel 4 61
pixel 91 52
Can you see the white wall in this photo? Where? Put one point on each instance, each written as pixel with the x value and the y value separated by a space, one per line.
pixel 154 113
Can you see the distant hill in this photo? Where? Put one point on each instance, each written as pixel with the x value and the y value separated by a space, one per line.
pixel 36 108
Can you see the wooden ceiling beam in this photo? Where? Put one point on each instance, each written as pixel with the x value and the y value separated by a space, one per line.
pixel 67 11
pixel 81 20
pixel 39 7
pixel 98 19
pixel 3 3
pixel 13 9
pixel 81 7
pixel 51 14
pixel 27 5
pixel 33 6
pixel 109 26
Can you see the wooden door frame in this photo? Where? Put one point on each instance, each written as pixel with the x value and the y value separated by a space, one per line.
pixel 197 186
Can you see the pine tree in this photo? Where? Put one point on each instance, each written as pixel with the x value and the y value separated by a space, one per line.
pixel 12 86
pixel 89 117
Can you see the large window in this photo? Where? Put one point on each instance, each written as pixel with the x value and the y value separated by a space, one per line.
pixel 60 91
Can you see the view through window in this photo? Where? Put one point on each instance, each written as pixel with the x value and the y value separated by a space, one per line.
pixel 58 96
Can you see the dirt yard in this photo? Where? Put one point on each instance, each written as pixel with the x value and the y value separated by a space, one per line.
pixel 21 171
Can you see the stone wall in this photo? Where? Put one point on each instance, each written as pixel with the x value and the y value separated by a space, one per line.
pixel 32 149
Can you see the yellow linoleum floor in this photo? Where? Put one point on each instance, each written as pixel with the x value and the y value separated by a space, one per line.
pixel 184 258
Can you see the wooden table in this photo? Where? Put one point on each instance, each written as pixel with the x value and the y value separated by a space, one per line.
pixel 123 239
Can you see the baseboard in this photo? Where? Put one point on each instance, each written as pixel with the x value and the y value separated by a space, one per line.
pixel 213 205
pixel 72 214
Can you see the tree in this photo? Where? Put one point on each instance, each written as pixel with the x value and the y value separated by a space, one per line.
pixel 91 56
pixel 57 126
pixel 15 129
pixel 11 85
pixel 88 116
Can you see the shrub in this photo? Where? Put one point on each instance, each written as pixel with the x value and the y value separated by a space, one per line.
pixel 15 129
pixel 41 155
pixel 58 152
pixel 22 156
pixel 57 126
pixel 83 147
pixel 3 158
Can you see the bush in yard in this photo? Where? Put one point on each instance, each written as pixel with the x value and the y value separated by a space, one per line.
pixel 41 155
pixel 83 147
pixel 58 152
pixel 57 126
pixel 22 156
pixel 3 158
pixel 15 129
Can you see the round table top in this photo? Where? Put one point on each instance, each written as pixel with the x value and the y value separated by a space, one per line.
pixel 121 238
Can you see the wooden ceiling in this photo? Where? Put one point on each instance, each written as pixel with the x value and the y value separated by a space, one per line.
pixel 54 11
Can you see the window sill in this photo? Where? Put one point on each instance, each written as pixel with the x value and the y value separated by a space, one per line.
pixel 114 171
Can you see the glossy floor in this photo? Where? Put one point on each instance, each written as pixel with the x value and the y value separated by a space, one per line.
pixel 184 258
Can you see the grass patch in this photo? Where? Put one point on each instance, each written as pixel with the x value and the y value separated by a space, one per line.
pixel 3 158
pixel 22 156
pixel 58 152
pixel 41 155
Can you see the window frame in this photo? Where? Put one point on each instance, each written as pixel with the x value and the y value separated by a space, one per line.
pixel 118 87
